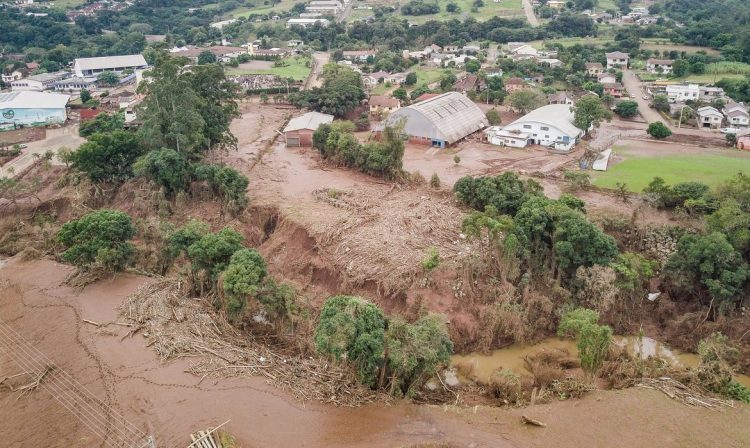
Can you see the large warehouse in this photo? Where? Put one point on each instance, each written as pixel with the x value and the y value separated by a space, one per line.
pixel 550 125
pixel 19 109
pixel 93 66
pixel 439 121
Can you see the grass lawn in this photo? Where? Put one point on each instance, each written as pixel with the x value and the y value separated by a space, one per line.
pixel 427 75
pixel 501 8
pixel 297 69
pixel 638 171
pixel 68 4
pixel 709 77
pixel 261 8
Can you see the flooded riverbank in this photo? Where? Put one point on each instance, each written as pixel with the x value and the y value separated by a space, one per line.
pixel 512 358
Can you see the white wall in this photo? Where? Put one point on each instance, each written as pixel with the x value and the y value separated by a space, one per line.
pixel 536 132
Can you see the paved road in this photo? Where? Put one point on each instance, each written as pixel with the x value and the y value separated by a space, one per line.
pixel 56 139
pixel 528 8
pixel 313 80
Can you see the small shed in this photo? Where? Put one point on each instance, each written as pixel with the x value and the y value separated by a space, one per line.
pixel 300 129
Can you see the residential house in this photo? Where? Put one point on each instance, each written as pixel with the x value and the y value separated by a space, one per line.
pixel 594 68
pixel 603 78
pixel 614 88
pixel 381 106
pixel 556 4
pixel 710 93
pixel 617 59
pixel 496 135
pixel 660 66
pixel 15 76
pixel 358 55
pixel 524 52
pixel 300 130
pixel 679 93
pixel 373 79
pixel 295 43
pixel 560 98
pixel 550 62
pixel 469 83
pixel 491 72
pixel 708 117
pixel 433 49
pixel 736 115
pixel 471 49
pixel 513 84
pixel 550 125
pixel 451 48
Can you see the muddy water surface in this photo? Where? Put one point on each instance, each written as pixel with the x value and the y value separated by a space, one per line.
pixel 512 357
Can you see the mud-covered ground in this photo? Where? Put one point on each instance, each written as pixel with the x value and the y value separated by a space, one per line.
pixel 165 401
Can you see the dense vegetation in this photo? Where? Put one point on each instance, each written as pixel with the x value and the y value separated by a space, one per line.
pixel 101 237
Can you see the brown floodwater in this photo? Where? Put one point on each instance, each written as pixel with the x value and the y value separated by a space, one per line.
pixel 512 358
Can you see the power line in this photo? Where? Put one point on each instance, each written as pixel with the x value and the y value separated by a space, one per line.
pixel 98 417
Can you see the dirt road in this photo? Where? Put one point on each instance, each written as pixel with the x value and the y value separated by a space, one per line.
pixel 165 401
pixel 319 60
pixel 528 8
pixel 56 139
pixel 635 90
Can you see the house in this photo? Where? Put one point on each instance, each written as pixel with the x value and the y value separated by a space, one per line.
pixel 594 68
pixel 524 52
pixel 496 135
pixel 661 66
pixel 118 64
pixel 426 96
pixel 550 125
pixel 710 93
pixel 222 52
pixel 492 72
pixel 381 106
pixel 469 83
pixel 561 98
pixel 550 62
pixel 617 59
pixel 614 88
pixel 9 78
pixel 451 48
pixel 299 131
pixel 27 108
pixel 603 78
pixel 736 115
pixel 38 83
pixel 373 79
pixel 305 22
pixel 358 55
pixel 708 117
pixel 513 84
pixel 458 60
pixel 679 93
pixel 439 121
pixel 556 4
pixel 75 84
pixel 433 49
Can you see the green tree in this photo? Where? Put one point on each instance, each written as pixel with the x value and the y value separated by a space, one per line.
pixel 525 100
pixel 447 79
pixel 473 65
pixel 493 117
pixel 166 167
pixel 415 351
pixel 85 96
pixel 352 329
pixel 400 94
pixel 206 57
pixel 108 78
pixel 658 130
pixel 181 239
pixel 579 242
pixel 709 263
pixel 213 251
pixel 573 321
pixel 660 103
pixel 341 93
pixel 102 123
pixel 243 278
pixel 411 79
pixel 101 237
pixel 590 111
pixel 626 109
pixel 107 157
pixel 226 183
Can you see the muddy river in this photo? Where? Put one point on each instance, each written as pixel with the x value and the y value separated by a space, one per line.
pixel 512 357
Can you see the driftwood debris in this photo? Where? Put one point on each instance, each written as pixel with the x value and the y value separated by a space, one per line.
pixel 30 386
pixel 530 421
pixel 205 439
pixel 680 392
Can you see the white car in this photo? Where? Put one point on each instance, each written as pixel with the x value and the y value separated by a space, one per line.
pixel 730 131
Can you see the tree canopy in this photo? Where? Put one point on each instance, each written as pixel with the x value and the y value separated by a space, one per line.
pixel 101 237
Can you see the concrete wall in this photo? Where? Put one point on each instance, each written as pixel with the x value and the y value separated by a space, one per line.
pixel 537 134
pixel 31 117
pixel 304 136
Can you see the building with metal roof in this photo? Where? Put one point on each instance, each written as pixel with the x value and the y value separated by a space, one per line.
pixel 27 108
pixel 439 121
pixel 299 130
pixel 550 125
pixel 93 66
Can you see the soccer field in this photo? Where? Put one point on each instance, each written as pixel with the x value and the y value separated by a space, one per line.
pixel 636 170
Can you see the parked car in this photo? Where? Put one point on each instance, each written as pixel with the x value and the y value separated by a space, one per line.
pixel 19 146
pixel 730 131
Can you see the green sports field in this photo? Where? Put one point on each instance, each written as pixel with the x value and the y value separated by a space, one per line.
pixel 636 171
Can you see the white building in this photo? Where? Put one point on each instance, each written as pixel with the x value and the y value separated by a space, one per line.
pixel 118 64
pixel 550 125
pixel 660 66
pixel 679 93
pixel 737 115
pixel 617 59
pixel 38 83
pixel 27 108
pixel 708 117
pixel 9 78
pixel 496 135
pixel 306 22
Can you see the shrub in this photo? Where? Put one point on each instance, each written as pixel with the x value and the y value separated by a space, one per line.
pixel 213 251
pixel 505 192
pixel 100 237
pixel 626 109
pixel 352 329
pixel 577 180
pixel 593 346
pixel 574 320
pixel 243 278
pixel 658 130
pixel 225 182
pixel 435 181
pixel 432 259
pixel 506 385
pixel 493 117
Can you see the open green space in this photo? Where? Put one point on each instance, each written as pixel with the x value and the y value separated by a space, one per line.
pixel 68 4
pixel 491 8
pixel 262 7
pixel 637 171
pixel 297 68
